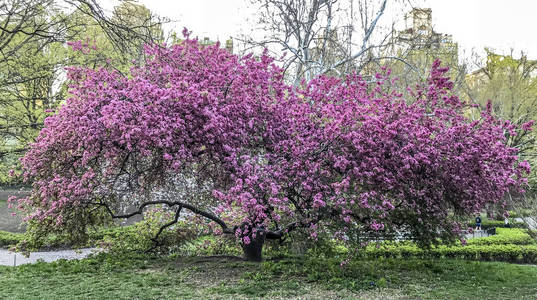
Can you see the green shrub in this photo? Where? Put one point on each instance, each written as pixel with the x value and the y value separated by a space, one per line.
pixel 505 236
pixel 510 245
pixel 525 212
pixel 509 253
pixel 325 247
pixel 8 239
pixel 140 237
pixel 529 254
pixel 486 224
pixel 210 245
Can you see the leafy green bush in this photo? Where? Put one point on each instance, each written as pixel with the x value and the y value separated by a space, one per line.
pixel 50 241
pixel 520 213
pixel 509 253
pixel 509 244
pixel 529 254
pixel 486 224
pixel 505 236
pixel 138 237
pixel 141 236
pixel 8 239
pixel 210 245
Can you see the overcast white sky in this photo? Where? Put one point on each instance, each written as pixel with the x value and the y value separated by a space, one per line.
pixel 498 24
pixel 474 24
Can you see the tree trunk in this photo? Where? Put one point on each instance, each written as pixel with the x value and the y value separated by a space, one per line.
pixel 253 250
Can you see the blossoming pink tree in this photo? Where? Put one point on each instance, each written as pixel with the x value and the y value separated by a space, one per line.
pixel 206 133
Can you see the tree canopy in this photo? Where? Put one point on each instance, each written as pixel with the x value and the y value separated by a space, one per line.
pixel 207 133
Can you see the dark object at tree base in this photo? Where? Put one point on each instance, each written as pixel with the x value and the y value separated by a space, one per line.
pixel 253 251
pixel 491 231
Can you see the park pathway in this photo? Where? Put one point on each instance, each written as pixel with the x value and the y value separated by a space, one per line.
pixel 8 258
pixel 476 234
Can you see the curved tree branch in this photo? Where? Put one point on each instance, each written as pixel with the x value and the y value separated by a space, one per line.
pixel 163 227
pixel 192 208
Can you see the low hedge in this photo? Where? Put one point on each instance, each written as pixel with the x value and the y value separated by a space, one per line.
pixel 486 224
pixel 509 244
pixel 505 236
pixel 507 253
pixel 8 239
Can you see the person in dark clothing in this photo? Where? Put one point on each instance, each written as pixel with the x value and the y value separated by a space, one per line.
pixel 478 223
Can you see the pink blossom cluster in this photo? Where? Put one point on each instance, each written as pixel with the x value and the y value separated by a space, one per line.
pixel 335 155
pixel 83 46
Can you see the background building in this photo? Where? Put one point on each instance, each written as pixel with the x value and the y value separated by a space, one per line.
pixel 418 45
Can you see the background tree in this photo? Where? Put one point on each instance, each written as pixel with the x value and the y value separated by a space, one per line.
pixel 29 65
pixel 321 36
pixel 511 85
pixel 413 50
pixel 33 53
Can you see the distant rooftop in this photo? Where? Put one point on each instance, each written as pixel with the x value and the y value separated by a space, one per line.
pixel 419 30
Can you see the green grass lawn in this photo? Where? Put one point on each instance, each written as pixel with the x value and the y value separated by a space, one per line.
pixel 316 275
pixel 143 277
